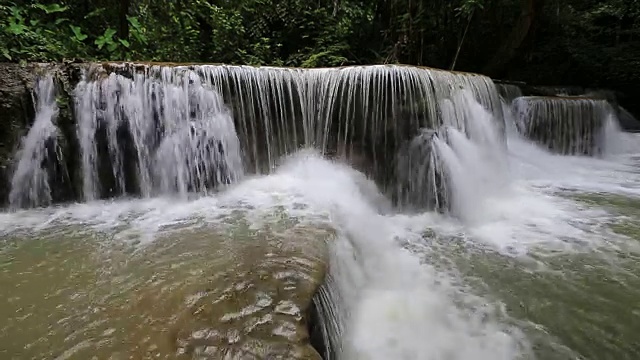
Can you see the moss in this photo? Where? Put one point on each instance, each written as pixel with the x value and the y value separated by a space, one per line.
pixel 620 204
pixel 627 210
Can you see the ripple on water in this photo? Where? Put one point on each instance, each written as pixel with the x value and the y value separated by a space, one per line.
pixel 146 278
pixel 111 298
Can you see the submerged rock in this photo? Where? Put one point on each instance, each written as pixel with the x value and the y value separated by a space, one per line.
pixel 233 289
pixel 258 305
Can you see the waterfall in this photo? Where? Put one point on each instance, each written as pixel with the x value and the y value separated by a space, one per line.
pixel 615 141
pixel 399 199
pixel 166 133
pixel 466 158
pixel 564 125
pixel 149 130
pixel 472 153
pixel 509 92
pixel 39 152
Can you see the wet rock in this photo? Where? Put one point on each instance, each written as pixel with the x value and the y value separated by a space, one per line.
pixel 231 290
pixel 257 308
pixel 253 300
pixel 16 111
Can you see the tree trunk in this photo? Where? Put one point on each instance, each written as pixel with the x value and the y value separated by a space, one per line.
pixel 530 9
pixel 123 23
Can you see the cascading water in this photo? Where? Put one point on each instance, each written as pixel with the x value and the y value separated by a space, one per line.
pixel 500 271
pixel 373 312
pixel 147 135
pixel 565 125
pixel 135 138
pixel 39 152
pixel 614 141
pixel 509 92
pixel 472 152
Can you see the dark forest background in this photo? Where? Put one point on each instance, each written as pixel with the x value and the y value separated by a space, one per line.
pixel 591 43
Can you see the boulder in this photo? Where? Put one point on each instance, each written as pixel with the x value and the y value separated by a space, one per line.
pixel 229 290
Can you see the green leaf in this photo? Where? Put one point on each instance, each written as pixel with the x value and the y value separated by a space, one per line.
pixel 77 32
pixel 134 22
pixel 60 21
pixel 109 33
pixel 124 42
pixel 50 9
pixel 106 38
pixel 111 47
pixel 16 13
pixel 16 29
pixel 94 13
pixel 5 53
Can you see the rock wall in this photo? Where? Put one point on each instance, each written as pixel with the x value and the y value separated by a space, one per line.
pixel 16 111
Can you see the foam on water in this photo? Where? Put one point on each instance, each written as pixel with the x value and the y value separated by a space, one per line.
pixel 383 300
pixel 390 305
pixel 389 298
pixel 472 151
pixel 515 206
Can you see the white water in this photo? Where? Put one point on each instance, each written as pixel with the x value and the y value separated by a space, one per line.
pixel 389 303
pixel 30 182
pixel 509 92
pixel 571 126
pixel 473 153
pixel 182 136
pixel 389 300
pixel 134 132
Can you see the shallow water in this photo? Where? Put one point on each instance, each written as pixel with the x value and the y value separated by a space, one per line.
pixel 78 296
pixel 545 268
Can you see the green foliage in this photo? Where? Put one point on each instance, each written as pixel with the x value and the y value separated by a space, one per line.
pixel 45 32
pixel 572 41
